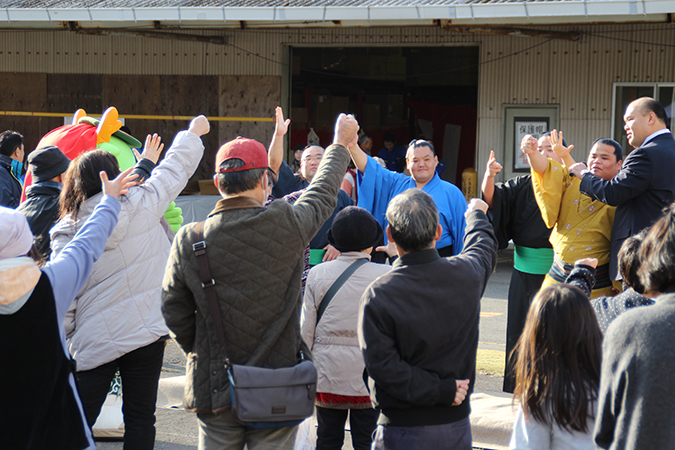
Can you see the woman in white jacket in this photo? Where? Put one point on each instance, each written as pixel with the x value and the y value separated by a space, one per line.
pixel 115 321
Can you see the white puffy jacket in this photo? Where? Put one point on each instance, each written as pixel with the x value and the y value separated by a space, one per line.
pixel 118 310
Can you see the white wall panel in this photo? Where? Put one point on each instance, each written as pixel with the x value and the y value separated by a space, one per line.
pixel 577 76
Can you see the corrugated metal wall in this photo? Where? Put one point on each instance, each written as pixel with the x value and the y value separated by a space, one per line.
pixel 577 76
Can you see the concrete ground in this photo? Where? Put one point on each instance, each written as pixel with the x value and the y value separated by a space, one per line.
pixel 491 417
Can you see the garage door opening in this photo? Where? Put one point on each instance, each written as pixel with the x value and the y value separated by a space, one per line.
pixel 412 92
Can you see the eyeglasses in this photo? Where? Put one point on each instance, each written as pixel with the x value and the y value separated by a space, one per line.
pixel 316 158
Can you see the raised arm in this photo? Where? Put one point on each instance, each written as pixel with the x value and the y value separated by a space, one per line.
pixel 276 152
pixel 480 243
pixel 172 174
pixel 358 156
pixel 583 275
pixel 633 179
pixel 317 203
pixel 559 149
pixel 538 162
pixel 488 186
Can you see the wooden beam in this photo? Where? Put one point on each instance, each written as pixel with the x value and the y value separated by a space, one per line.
pixel 513 31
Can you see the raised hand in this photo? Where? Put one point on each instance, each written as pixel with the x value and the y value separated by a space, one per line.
pixel 493 167
pixel 199 126
pixel 476 204
pixel 577 169
pixel 346 130
pixel 529 144
pixel 556 139
pixel 152 149
pixel 118 186
pixel 281 125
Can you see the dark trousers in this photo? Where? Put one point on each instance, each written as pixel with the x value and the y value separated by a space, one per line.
pixel 140 371
pixel 451 436
pixel 331 432
pixel 523 287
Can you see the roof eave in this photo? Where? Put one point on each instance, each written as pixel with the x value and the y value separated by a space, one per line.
pixel 596 9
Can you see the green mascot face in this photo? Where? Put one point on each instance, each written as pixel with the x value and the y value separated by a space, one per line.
pixel 121 150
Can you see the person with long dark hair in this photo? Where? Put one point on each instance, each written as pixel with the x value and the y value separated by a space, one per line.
pixel 557 372
pixel 115 321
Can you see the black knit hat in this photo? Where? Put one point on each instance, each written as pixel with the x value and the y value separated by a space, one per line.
pixel 46 163
pixel 354 229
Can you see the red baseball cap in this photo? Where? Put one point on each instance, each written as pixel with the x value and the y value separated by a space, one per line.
pixel 250 151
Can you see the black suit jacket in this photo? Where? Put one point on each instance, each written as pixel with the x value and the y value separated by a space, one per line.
pixel 640 191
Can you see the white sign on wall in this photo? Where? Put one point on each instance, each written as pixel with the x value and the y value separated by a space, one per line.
pixel 525 126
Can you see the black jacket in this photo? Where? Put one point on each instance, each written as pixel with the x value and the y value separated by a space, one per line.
pixel 644 186
pixel 41 208
pixel 10 187
pixel 418 329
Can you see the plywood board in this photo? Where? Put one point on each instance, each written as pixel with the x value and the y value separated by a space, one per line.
pixel 247 96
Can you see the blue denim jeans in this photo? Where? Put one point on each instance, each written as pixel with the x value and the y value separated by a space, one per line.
pixel 140 371
pixel 451 436
pixel 223 432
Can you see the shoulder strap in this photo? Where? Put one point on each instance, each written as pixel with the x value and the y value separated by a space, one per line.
pixel 344 276
pixel 209 285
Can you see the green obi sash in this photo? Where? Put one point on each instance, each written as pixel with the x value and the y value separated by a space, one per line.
pixel 316 256
pixel 536 261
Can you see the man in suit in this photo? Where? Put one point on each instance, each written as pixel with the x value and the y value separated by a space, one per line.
pixel 645 184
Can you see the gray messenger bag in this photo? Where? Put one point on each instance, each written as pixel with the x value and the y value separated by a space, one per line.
pixel 261 397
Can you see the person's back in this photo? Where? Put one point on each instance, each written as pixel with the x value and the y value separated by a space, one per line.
pixel 256 257
pixel 637 411
pixel 118 310
pixel 418 326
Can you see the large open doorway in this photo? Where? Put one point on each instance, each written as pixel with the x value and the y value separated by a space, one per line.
pixel 412 92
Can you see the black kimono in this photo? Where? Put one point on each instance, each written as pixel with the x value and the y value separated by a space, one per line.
pixel 516 216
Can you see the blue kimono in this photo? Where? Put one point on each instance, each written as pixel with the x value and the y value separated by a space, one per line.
pixel 377 186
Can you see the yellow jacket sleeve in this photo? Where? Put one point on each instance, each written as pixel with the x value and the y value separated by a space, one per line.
pixel 548 190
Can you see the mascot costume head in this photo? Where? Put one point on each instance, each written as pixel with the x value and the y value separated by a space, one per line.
pixel 87 133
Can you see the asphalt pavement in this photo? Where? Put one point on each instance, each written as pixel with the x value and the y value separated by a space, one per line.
pixel 177 429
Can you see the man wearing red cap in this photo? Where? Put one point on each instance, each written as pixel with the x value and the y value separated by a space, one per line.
pixel 256 259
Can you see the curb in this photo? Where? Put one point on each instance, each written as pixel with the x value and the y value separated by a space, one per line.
pixel 492 413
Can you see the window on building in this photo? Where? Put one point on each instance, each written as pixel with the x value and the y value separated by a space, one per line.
pixel 626 93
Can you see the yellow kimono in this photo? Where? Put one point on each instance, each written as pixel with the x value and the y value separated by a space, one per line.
pixel 582 227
